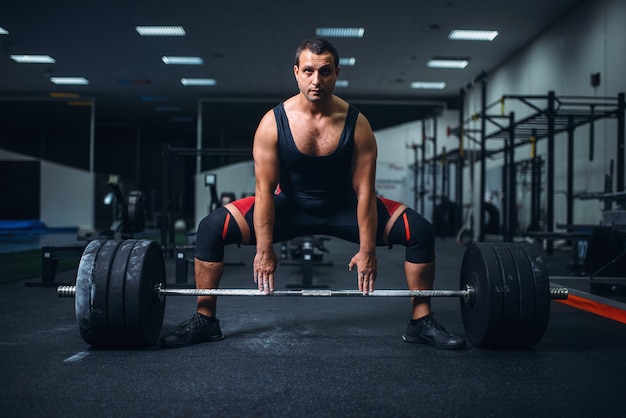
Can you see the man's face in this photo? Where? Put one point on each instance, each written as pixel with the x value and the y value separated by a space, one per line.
pixel 316 75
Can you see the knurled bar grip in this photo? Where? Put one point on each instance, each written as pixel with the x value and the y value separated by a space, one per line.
pixel 314 292
pixel 555 292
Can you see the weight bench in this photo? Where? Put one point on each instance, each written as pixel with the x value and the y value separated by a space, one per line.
pixel 306 252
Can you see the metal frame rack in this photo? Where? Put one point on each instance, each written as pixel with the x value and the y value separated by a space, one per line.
pixel 550 115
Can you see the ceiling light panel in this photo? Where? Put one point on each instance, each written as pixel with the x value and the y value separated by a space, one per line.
pixel 347 62
pixel 171 60
pixel 340 32
pixel 341 83
pixel 33 59
pixel 428 85
pixel 3 31
pixel 72 81
pixel 473 35
pixel 448 63
pixel 198 81
pixel 160 30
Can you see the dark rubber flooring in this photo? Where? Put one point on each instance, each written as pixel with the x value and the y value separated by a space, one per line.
pixel 313 357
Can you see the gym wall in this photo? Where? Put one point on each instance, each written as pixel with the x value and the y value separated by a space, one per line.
pixel 585 41
pixel 64 194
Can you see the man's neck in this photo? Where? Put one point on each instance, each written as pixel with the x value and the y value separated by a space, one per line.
pixel 317 108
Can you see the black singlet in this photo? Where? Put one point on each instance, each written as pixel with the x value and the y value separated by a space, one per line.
pixel 316 183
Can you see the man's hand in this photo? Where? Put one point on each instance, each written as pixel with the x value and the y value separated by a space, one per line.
pixel 367 268
pixel 264 267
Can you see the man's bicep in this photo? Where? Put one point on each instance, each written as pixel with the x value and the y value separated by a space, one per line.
pixel 364 164
pixel 265 152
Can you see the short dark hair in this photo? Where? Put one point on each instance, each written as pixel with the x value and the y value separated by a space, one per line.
pixel 317 46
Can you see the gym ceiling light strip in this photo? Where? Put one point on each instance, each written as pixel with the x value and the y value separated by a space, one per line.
pixel 473 35
pixel 160 30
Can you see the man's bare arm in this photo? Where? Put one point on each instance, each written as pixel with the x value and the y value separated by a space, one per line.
pixel 364 175
pixel 266 171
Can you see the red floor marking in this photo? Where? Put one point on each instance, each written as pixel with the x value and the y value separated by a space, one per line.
pixel 597 308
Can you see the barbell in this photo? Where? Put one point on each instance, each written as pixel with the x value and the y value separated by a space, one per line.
pixel 120 294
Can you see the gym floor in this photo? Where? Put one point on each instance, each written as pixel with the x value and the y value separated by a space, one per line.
pixel 308 356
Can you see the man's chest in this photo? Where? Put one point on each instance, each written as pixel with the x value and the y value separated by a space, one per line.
pixel 317 138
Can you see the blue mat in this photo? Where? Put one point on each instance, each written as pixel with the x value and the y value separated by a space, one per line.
pixel 31 226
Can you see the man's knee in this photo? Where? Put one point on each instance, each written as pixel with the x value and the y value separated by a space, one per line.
pixel 415 232
pixel 214 232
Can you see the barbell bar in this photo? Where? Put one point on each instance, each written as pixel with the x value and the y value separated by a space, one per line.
pixel 160 290
pixel 121 289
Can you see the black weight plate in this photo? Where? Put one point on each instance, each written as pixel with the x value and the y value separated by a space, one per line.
pixel 117 282
pixel 542 293
pixel 482 313
pixel 144 308
pixel 526 297
pixel 510 294
pixel 84 290
pixel 100 296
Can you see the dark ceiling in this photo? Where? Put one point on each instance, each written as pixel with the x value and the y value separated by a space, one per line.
pixel 247 47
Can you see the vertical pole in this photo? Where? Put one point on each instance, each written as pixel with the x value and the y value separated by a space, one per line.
pixel 445 176
pixel 138 157
pixel 550 170
pixel 415 176
pixel 422 170
pixel 483 162
pixel 512 180
pixel 570 170
pixel 534 184
pixel 434 166
pixel 621 107
pixel 460 164
pixel 165 155
pixel 92 135
pixel 199 138
pixel 504 184
pixel 174 181
pixel 92 150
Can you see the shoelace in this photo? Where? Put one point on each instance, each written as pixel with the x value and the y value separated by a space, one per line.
pixel 436 324
pixel 194 322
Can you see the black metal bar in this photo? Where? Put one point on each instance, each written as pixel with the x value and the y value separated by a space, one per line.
pixel 550 171
pixel 534 185
pixel 538 182
pixel 423 169
pixel 211 151
pixel 434 165
pixel 483 163
pixel 511 177
pixel 460 164
pixel 570 171
pixel 165 154
pixel 621 107
pixel 415 176
pixel 174 180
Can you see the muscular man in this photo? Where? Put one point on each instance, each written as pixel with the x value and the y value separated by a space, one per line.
pixel 315 162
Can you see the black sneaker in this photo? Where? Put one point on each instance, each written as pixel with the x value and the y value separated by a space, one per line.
pixel 428 331
pixel 198 329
